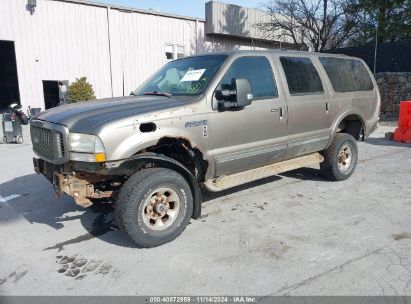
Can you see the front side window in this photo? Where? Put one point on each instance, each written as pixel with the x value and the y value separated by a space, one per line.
pixel 347 75
pixel 258 72
pixel 183 77
pixel 302 76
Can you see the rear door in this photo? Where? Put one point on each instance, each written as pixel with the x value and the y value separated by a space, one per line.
pixel 308 101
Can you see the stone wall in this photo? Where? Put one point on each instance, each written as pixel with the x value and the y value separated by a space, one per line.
pixel 394 87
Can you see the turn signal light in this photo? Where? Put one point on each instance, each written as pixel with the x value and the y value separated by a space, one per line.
pixel 100 157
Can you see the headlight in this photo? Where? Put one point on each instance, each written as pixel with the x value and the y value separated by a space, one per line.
pixel 86 147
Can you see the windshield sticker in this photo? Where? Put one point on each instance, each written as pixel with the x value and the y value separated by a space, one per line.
pixel 193 75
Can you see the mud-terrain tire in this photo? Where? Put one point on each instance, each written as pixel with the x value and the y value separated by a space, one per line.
pixel 340 158
pixel 154 206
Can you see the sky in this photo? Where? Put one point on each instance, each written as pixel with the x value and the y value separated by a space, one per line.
pixel 191 8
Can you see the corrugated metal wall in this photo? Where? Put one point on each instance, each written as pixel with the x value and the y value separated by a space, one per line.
pixel 115 48
pixel 138 43
pixel 60 41
pixel 234 20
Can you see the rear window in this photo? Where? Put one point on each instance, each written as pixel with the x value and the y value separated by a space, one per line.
pixel 302 77
pixel 347 75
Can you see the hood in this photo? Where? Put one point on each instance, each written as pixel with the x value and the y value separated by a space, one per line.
pixel 88 116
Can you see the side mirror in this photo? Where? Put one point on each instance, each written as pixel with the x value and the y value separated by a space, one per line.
pixel 243 92
pixel 237 96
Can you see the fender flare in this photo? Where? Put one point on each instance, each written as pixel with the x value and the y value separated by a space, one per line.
pixel 339 120
pixel 131 165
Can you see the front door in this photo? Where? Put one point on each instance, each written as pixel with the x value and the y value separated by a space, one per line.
pixel 255 135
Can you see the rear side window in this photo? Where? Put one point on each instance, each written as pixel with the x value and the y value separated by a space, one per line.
pixel 257 70
pixel 347 75
pixel 302 77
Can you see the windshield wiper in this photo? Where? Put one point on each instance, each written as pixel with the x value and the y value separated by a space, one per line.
pixel 158 93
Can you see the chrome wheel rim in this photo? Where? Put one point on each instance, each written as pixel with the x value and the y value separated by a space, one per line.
pixel 345 157
pixel 161 208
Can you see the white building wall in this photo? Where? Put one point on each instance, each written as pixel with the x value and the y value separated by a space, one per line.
pixel 60 41
pixel 138 45
pixel 115 48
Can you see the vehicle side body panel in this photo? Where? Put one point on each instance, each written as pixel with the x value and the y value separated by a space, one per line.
pixel 229 141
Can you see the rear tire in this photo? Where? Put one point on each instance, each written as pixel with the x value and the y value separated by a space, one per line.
pixel 154 206
pixel 340 158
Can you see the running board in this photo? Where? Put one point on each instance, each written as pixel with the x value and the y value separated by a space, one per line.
pixel 230 181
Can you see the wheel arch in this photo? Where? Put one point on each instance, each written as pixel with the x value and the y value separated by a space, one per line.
pixel 138 162
pixel 351 123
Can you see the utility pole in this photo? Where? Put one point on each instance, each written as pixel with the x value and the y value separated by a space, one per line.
pixel 375 49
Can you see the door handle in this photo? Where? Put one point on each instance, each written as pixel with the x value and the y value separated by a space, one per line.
pixel 281 114
pixel 275 110
pixel 327 106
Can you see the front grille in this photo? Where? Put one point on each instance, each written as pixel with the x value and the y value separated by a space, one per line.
pixel 47 143
pixel 60 145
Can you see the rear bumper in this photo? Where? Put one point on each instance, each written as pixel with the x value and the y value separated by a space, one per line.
pixel 79 185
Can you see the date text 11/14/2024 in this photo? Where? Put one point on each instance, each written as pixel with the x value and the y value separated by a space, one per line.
pixel 202 299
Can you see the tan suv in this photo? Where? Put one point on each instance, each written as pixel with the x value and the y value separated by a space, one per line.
pixel 217 120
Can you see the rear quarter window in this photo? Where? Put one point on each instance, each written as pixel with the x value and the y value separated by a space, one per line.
pixel 347 75
pixel 302 76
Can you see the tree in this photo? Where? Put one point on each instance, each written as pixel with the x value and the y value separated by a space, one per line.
pixel 316 24
pixel 81 90
pixel 393 18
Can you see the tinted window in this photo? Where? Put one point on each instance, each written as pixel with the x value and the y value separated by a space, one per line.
pixel 302 77
pixel 347 75
pixel 258 72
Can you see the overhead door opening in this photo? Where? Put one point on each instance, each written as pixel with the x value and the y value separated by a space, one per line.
pixel 9 85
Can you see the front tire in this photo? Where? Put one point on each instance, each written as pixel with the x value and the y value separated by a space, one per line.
pixel 154 206
pixel 340 158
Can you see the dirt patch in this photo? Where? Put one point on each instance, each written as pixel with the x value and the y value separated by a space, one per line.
pixel 401 236
pixel 14 276
pixel 105 268
pixel 79 267
pixel 19 275
pixel 275 250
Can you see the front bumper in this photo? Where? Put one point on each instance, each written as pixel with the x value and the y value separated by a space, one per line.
pixel 79 185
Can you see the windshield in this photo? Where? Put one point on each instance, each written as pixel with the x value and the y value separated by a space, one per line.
pixel 189 76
